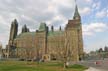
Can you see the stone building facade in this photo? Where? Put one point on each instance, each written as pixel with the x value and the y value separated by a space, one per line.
pixel 45 44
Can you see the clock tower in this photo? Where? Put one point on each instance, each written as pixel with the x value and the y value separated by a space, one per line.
pixel 74 35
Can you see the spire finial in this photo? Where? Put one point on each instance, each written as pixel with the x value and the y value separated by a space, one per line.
pixel 76 14
pixel 76 4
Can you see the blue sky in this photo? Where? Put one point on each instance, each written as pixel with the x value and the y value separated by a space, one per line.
pixel 96 22
pixel 94 15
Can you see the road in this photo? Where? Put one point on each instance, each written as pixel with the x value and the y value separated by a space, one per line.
pixel 100 65
pixel 94 69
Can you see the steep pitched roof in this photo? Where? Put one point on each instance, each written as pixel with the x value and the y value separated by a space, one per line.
pixel 55 33
pixel 76 14
pixel 42 27
pixel 22 35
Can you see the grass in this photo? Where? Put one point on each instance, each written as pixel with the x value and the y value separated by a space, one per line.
pixel 33 66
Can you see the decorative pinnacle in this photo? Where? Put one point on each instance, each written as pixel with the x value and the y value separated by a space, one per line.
pixel 76 14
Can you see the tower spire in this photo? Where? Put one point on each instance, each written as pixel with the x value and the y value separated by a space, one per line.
pixel 13 30
pixel 76 14
pixel 25 29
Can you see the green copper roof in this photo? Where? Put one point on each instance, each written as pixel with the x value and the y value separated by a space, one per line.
pixel 42 27
pixel 32 34
pixel 55 33
pixel 76 14
pixel 22 35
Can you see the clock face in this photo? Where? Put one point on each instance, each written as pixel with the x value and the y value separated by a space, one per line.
pixel 76 17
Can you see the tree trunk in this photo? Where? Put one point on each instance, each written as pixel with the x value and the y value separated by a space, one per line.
pixel 65 64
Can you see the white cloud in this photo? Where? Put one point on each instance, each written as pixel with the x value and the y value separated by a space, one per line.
pixel 85 11
pixel 96 5
pixel 107 13
pixel 92 28
pixel 102 13
pixel 89 1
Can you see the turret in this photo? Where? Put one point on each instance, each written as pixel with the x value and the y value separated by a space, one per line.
pixel 13 30
pixel 42 27
pixel 60 28
pixel 25 29
pixel 47 29
pixel 52 28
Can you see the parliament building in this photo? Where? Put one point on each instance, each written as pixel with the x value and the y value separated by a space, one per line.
pixel 47 44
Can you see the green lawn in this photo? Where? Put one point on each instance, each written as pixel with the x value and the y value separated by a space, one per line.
pixel 33 66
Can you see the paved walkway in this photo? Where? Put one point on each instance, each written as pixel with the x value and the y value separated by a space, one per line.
pixel 94 69
pixel 96 65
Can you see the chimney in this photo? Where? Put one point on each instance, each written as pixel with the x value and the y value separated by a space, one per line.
pixel 52 28
pixel 60 28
